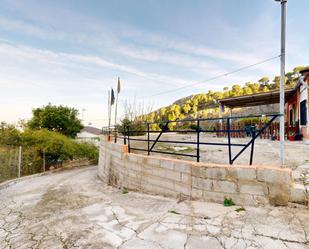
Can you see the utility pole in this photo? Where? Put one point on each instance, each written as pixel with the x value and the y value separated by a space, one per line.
pixel 282 79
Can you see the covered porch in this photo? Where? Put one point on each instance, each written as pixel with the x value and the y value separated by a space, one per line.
pixel 268 98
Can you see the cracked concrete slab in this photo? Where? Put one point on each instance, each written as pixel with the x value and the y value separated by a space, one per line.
pixel 75 209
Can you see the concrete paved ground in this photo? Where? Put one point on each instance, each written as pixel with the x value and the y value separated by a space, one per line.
pixel 74 209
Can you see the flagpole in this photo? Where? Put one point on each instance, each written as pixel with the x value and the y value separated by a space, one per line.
pixel 109 112
pixel 118 90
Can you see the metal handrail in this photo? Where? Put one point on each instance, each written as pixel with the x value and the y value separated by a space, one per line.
pixel 128 133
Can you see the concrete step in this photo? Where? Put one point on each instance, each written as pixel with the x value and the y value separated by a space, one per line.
pixel 299 193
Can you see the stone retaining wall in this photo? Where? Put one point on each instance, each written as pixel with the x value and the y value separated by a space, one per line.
pixel 246 185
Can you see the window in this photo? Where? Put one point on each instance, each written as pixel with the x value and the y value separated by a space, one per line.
pixel 303 112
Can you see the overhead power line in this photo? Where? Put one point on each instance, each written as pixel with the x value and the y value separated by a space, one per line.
pixel 214 78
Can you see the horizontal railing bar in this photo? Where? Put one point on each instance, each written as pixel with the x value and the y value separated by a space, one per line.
pixel 172 153
pixel 212 119
pixel 183 142
pixel 132 148
pixel 190 131
pixel 165 152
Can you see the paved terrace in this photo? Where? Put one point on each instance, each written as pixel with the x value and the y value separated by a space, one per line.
pixel 266 152
pixel 74 209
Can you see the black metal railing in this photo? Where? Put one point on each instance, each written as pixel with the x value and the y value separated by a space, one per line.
pixel 128 135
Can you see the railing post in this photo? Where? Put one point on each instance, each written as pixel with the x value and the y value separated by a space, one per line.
pixel 198 141
pixel 148 140
pixel 229 139
pixel 252 147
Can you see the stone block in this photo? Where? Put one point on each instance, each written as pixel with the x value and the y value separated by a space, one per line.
pixel 132 166
pixel 158 181
pixel 184 167
pixel 274 175
pixel 167 164
pixel 196 194
pixel 154 189
pixel 213 196
pixel 298 193
pixel 242 173
pixel 200 183
pixel 153 161
pixel 197 171
pixel 148 170
pixel 167 174
pixel 185 178
pixel 183 189
pixel 218 173
pixel 253 189
pixel 224 186
pixel 279 194
pixel 132 157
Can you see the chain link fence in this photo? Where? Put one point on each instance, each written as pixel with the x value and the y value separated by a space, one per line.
pixel 19 161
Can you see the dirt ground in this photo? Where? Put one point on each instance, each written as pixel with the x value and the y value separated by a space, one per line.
pixel 75 209
pixel 266 152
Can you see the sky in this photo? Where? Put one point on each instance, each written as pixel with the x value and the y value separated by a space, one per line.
pixel 71 52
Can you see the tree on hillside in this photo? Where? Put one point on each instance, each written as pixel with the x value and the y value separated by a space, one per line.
pixel 56 118
pixel 264 81
pixel 206 103
pixel 276 81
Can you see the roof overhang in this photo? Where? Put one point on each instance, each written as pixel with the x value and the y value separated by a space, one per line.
pixel 257 99
pixel 305 73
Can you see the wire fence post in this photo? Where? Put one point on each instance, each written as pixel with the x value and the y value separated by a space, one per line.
pixel 19 160
pixel 148 140
pixel 198 141
pixel 228 125
pixel 128 131
pixel 44 162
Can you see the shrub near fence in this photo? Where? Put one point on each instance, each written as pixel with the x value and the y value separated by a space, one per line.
pixel 31 162
pixel 8 162
pixel 41 150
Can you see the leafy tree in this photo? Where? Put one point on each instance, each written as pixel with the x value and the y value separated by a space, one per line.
pixel 247 90
pixel 186 108
pixel 264 81
pixel 56 118
pixel 9 135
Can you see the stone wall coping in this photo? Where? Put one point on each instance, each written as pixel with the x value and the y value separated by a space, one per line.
pixel 213 165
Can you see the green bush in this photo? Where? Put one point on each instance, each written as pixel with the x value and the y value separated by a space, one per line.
pixel 58 147
pixel 37 143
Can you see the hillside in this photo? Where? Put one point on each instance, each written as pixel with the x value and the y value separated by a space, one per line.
pixel 205 105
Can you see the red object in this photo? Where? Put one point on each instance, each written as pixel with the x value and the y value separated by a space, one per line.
pixel 278 138
pixel 291 138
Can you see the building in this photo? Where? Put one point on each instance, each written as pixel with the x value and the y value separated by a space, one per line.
pixel 89 134
pixel 304 104
pixel 296 105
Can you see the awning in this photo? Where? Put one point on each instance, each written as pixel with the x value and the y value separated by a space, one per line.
pixel 264 98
